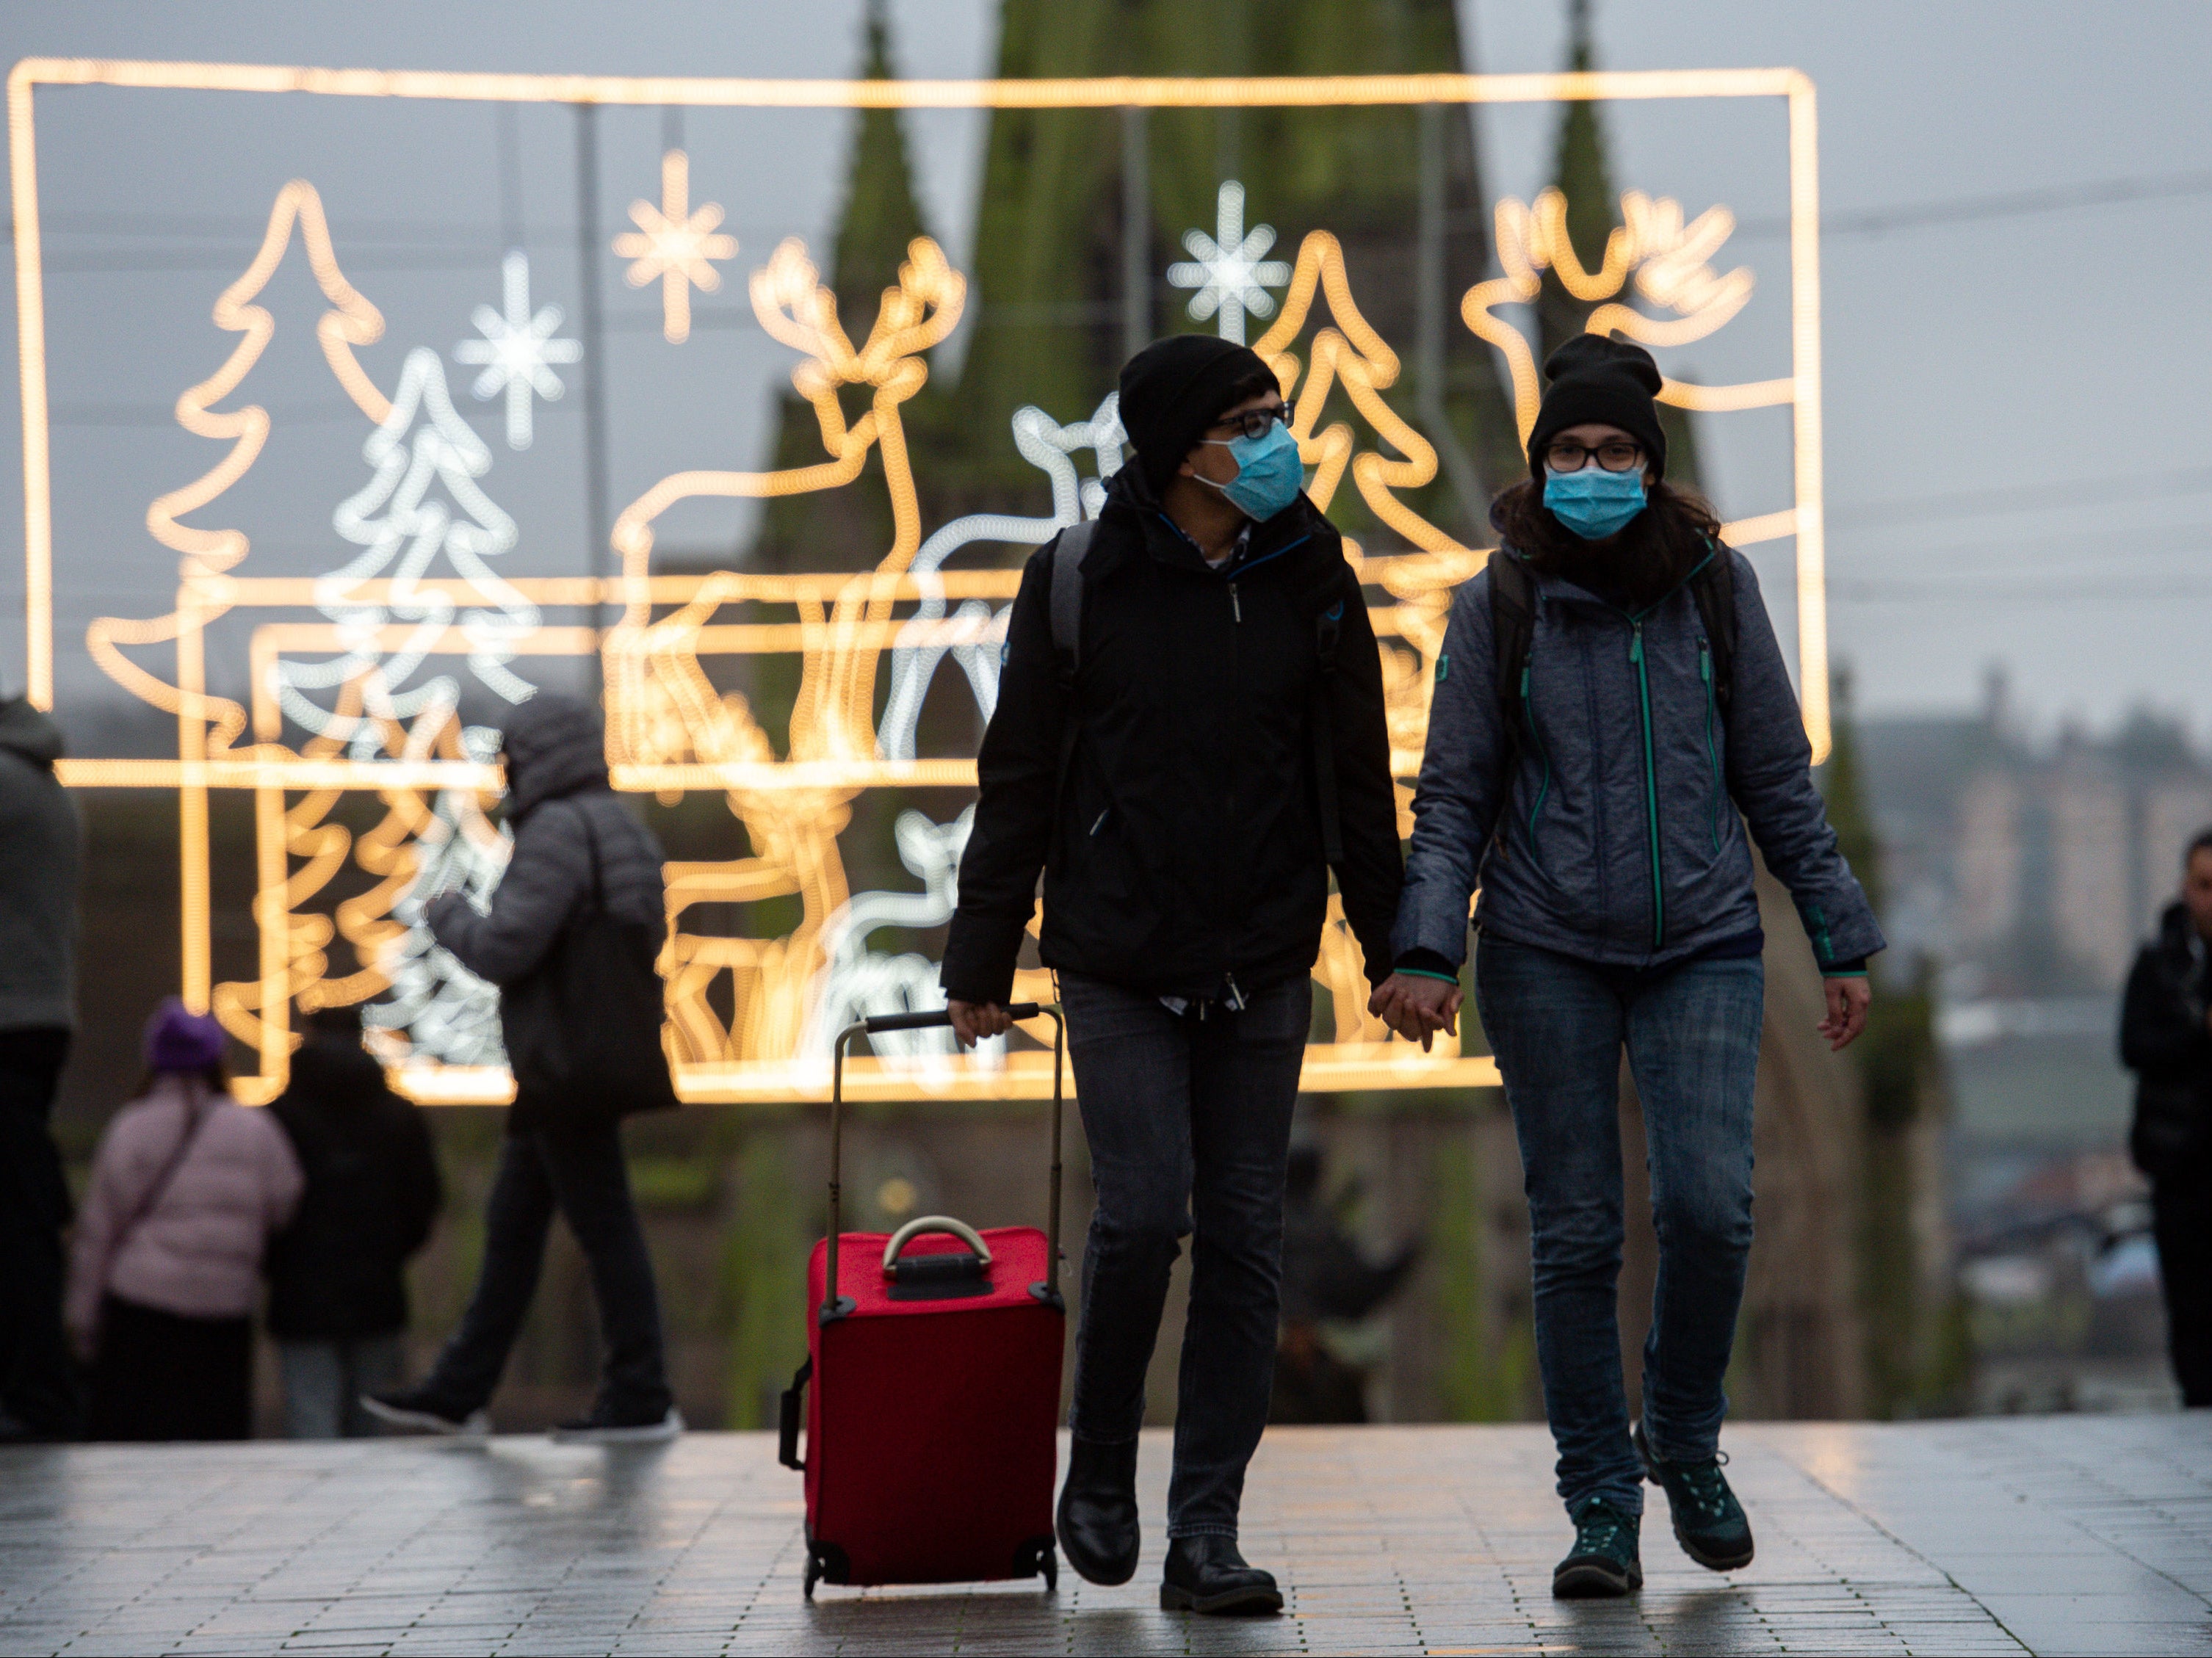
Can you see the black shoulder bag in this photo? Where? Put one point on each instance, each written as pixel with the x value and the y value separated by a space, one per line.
pixel 589 1044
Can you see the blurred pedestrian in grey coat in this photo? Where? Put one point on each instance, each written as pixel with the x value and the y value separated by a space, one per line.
pixel 585 876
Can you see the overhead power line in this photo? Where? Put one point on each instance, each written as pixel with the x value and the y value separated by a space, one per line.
pixel 2010 204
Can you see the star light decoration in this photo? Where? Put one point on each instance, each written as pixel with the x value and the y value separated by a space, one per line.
pixel 674 243
pixel 1229 269
pixel 517 350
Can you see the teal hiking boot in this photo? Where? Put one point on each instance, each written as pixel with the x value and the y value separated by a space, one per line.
pixel 1709 1522
pixel 1603 1563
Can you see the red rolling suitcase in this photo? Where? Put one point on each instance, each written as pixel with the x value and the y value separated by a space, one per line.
pixel 934 1357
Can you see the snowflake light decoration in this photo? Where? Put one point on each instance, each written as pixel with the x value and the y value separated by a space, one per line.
pixel 517 350
pixel 675 244
pixel 1229 269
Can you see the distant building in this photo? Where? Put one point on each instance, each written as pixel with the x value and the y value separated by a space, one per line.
pixel 2031 871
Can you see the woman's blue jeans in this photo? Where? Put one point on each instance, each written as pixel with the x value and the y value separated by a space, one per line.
pixel 1558 1026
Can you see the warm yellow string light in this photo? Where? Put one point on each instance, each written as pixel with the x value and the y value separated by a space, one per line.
pixel 675 244
pixel 669 729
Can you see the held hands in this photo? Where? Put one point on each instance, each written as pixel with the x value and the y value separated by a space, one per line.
pixel 1416 1007
pixel 973 1021
pixel 1848 1002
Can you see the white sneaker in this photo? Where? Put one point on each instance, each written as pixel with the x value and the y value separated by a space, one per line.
pixel 476 1425
pixel 590 1431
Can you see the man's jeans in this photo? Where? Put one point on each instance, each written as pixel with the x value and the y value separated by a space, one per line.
pixel 38 1382
pixel 323 1381
pixel 579 1170
pixel 1187 1117
pixel 1557 1026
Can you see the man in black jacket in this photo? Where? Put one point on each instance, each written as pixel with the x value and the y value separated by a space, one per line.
pixel 2166 1039
pixel 1186 773
pixel 338 1293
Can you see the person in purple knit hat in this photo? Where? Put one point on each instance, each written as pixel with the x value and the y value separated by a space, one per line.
pixel 187 1186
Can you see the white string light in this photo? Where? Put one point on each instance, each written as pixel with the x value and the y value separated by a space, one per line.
pixel 422 445
pixel 1230 269
pixel 858 981
pixel 919 645
pixel 517 350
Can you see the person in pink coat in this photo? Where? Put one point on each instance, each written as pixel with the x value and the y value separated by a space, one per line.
pixel 187 1186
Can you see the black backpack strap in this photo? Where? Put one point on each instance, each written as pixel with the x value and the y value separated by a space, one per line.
pixel 1065 609
pixel 1512 630
pixel 1327 608
pixel 1068 552
pixel 1714 588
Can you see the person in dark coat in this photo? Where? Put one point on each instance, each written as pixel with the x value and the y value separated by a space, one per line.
pixel 1185 776
pixel 2166 1039
pixel 577 849
pixel 337 1292
pixel 1327 1279
pixel 1605 798
pixel 39 847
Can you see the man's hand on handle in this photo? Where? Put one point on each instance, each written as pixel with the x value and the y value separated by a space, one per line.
pixel 973 1021
pixel 1848 1002
pixel 1418 1007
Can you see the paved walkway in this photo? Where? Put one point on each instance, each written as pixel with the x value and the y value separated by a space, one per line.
pixel 2062 1535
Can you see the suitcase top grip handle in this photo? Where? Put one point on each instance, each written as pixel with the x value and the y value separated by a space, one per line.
pixel 932 1021
pixel 926 1224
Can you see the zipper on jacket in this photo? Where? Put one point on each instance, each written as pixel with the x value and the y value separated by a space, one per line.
pixel 1650 782
pixel 1236 609
pixel 1712 752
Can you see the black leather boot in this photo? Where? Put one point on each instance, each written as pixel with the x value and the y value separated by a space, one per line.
pixel 1097 1520
pixel 1208 1574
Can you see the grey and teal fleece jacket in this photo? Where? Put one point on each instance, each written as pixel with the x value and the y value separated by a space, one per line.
pixel 1620 837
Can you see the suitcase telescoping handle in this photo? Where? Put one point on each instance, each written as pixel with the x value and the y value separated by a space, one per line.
pixel 832 1306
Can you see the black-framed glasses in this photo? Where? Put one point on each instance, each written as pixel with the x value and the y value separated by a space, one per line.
pixel 1615 455
pixel 1253 422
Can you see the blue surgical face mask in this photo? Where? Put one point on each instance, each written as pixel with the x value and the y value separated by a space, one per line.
pixel 1269 474
pixel 1595 503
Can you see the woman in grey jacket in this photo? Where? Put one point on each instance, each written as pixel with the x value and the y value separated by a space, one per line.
pixel 1599 790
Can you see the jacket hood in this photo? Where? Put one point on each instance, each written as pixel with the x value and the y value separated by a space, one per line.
pixel 27 732
pixel 331 1071
pixel 555 746
pixel 2173 930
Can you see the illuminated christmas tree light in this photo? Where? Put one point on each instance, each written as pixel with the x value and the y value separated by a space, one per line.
pixel 1230 269
pixel 517 350
pixel 675 243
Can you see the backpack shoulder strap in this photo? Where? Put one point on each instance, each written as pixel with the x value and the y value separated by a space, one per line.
pixel 1512 630
pixel 1068 552
pixel 1065 610
pixel 1714 588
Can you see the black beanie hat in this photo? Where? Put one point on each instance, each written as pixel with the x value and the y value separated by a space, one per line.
pixel 1173 389
pixel 1596 379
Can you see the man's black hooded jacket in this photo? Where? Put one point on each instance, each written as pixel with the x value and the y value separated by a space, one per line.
pixel 1186 850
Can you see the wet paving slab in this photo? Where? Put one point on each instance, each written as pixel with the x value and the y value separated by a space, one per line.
pixel 2059 1534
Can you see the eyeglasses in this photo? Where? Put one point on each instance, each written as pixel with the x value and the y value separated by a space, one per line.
pixel 1253 422
pixel 1617 455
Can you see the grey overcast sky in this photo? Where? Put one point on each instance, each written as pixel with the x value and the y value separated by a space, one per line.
pixel 2018 390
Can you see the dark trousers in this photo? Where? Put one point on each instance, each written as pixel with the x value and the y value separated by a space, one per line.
pixel 1188 1121
pixel 38 1382
pixel 1557 1027
pixel 2181 1219
pixel 163 1376
pixel 578 1169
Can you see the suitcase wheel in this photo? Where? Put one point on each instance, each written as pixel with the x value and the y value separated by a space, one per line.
pixel 1038 1558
